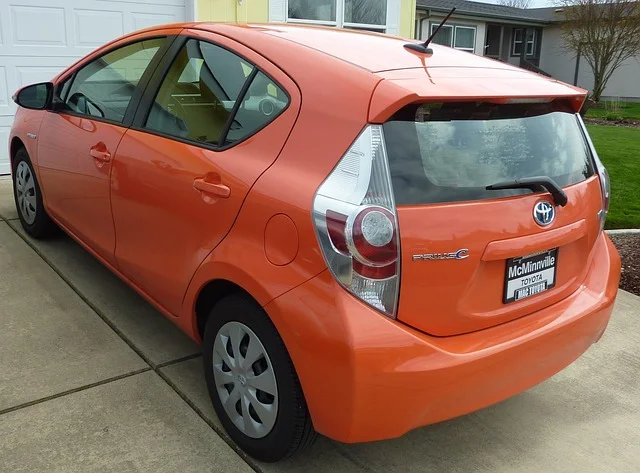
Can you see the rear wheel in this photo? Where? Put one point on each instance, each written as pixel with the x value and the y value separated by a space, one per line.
pixel 28 198
pixel 252 382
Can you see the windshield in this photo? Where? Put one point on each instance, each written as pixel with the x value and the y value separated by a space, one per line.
pixel 452 152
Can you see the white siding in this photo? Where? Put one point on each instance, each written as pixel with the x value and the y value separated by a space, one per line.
pixel 561 64
pixel 39 38
pixel 277 11
pixel 393 17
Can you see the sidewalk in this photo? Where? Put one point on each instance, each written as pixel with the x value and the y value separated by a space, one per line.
pixel 92 378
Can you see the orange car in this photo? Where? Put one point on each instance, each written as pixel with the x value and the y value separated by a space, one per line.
pixel 365 236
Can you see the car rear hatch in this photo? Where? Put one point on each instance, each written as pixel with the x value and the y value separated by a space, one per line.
pixel 473 257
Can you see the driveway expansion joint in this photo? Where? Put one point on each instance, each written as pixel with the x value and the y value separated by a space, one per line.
pixel 74 390
pixel 152 366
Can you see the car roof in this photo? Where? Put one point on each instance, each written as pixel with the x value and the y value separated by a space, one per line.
pixel 381 54
pixel 374 52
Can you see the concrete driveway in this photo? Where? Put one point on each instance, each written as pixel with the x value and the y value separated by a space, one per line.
pixel 92 378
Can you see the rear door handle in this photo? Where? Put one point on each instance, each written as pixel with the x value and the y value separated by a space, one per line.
pixel 100 153
pixel 219 190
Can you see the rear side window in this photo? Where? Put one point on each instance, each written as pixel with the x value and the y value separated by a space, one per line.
pixel 211 95
pixel 451 152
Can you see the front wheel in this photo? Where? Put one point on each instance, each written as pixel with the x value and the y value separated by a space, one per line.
pixel 252 382
pixel 28 198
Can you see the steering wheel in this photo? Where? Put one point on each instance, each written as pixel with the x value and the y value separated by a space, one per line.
pixel 178 106
pixel 81 103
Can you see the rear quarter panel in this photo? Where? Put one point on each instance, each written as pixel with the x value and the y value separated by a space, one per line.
pixel 335 103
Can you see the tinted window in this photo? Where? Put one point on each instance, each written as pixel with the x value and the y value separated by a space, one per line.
pixel 263 102
pixel 448 153
pixel 104 87
pixel 203 89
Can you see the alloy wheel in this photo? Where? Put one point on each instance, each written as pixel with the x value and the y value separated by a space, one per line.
pixel 26 192
pixel 245 380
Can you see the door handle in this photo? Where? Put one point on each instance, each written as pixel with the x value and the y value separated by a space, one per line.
pixel 100 153
pixel 219 190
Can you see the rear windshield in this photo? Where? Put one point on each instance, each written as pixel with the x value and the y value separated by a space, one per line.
pixel 450 152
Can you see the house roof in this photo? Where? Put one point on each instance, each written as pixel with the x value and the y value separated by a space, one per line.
pixel 489 10
pixel 550 14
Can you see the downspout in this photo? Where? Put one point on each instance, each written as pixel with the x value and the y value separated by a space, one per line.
pixel 419 24
pixel 577 70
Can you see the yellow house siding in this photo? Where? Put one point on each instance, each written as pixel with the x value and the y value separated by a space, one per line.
pixel 250 11
pixel 407 18
pixel 257 11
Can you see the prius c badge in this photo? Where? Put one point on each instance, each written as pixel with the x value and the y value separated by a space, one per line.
pixel 460 254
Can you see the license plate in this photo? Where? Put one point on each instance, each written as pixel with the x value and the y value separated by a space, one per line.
pixel 529 275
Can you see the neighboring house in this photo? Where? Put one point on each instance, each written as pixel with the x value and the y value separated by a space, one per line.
pixel 39 38
pixel 529 38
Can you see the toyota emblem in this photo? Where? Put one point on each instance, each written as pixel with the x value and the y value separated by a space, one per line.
pixel 544 213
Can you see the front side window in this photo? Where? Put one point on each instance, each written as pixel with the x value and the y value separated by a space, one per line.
pixel 455 36
pixel 213 96
pixel 452 152
pixel 104 87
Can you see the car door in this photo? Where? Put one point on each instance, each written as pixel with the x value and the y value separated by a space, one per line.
pixel 215 118
pixel 79 138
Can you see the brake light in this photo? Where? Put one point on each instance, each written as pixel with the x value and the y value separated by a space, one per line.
pixel 356 224
pixel 603 176
pixel 605 185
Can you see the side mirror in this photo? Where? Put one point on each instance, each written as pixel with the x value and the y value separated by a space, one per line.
pixel 35 97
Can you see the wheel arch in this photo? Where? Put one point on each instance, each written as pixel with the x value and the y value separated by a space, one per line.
pixel 16 144
pixel 208 296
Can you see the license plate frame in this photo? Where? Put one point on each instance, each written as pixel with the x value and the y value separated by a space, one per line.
pixel 530 275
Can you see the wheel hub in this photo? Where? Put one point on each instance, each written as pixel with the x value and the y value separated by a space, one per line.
pixel 245 380
pixel 25 192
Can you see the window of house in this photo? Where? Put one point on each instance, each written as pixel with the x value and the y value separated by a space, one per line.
pixel 104 87
pixel 465 38
pixel 212 96
pixel 455 36
pixel 532 36
pixel 320 11
pixel 357 14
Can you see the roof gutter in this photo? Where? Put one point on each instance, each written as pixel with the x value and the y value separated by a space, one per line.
pixel 484 15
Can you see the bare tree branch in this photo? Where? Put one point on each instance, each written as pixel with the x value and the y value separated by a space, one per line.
pixel 515 3
pixel 604 32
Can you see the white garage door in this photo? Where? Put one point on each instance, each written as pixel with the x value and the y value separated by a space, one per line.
pixel 39 38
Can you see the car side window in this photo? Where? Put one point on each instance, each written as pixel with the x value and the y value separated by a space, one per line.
pixel 204 87
pixel 104 87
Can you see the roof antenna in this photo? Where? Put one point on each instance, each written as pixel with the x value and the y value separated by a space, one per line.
pixel 424 47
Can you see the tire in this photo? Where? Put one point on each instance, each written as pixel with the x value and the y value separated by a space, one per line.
pixel 28 198
pixel 274 437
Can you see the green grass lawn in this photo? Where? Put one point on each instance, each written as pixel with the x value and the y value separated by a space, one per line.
pixel 619 150
pixel 615 110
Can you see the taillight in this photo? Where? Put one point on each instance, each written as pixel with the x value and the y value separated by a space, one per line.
pixel 356 223
pixel 605 185
pixel 603 176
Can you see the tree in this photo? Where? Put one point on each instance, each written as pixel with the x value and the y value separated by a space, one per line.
pixel 515 3
pixel 603 32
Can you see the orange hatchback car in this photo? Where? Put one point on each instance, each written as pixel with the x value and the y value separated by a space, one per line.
pixel 365 236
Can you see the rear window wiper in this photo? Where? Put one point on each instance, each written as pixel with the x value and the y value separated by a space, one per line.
pixel 535 184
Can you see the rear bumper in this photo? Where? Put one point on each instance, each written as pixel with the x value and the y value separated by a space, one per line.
pixel 367 377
